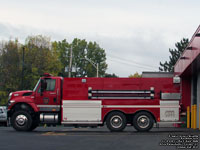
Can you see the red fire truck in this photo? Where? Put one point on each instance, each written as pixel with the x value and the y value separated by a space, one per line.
pixel 116 102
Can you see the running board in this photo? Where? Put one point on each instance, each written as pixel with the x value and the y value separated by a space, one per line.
pixel 162 124
pixel 171 122
pixel 81 122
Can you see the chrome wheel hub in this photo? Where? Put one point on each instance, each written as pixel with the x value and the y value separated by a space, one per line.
pixel 116 121
pixel 21 120
pixel 143 121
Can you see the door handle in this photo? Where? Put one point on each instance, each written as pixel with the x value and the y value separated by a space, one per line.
pixel 57 94
pixel 52 93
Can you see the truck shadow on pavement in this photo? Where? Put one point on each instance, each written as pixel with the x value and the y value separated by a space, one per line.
pixel 91 132
pixel 102 131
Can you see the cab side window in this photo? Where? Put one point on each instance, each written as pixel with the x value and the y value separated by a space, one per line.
pixel 1 111
pixel 51 83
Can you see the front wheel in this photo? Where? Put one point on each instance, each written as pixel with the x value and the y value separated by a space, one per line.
pixel 143 121
pixel 21 121
pixel 33 126
pixel 116 121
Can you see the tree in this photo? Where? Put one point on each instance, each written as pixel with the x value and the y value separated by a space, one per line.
pixel 107 75
pixel 175 54
pixel 80 51
pixel 62 50
pixel 135 75
pixel 40 57
pixel 9 69
pixel 97 55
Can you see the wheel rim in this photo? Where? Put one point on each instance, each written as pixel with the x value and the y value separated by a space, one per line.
pixel 143 121
pixel 21 120
pixel 116 121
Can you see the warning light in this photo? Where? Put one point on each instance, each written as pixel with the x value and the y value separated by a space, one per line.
pixel 47 75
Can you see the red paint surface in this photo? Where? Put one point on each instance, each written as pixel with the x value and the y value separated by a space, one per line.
pixel 74 89
pixel 186 93
pixel 183 65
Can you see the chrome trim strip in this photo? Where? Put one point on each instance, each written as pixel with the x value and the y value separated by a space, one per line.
pixel 57 106
pixel 119 92
pixel 102 97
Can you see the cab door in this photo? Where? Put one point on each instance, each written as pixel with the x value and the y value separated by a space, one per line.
pixel 49 99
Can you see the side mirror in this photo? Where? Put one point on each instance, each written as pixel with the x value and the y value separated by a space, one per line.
pixel 43 86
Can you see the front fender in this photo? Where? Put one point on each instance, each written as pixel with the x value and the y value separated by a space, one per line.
pixel 24 100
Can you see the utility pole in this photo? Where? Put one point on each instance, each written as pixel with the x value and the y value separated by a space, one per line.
pixel 97 70
pixel 95 65
pixel 22 80
pixel 70 63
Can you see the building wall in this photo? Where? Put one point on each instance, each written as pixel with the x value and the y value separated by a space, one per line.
pixel 194 89
pixel 157 74
pixel 188 68
pixel 198 97
pixel 195 92
pixel 186 93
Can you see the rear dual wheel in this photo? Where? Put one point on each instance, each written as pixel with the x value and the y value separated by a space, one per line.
pixel 116 121
pixel 143 121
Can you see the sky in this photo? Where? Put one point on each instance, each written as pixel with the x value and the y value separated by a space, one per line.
pixel 136 34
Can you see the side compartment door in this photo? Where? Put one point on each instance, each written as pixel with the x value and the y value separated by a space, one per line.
pixel 169 110
pixel 81 111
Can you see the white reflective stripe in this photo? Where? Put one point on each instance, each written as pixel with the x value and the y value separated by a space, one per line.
pixel 81 101
pixel 48 106
pixel 138 106
pixel 81 106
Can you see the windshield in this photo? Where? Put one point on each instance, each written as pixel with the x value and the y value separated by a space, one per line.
pixel 36 85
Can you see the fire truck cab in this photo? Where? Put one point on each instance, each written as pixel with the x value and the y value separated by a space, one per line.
pixel 116 102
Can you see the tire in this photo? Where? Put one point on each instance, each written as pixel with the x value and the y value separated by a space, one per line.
pixel 22 121
pixel 35 122
pixel 116 121
pixel 33 126
pixel 143 121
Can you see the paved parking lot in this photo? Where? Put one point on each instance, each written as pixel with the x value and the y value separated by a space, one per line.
pixel 65 138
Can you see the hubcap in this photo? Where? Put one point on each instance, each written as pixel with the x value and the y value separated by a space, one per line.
pixel 143 121
pixel 116 121
pixel 21 120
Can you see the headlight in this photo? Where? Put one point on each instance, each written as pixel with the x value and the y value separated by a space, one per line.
pixel 10 103
pixel 10 95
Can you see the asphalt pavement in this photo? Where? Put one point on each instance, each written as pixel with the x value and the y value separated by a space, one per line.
pixel 68 138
